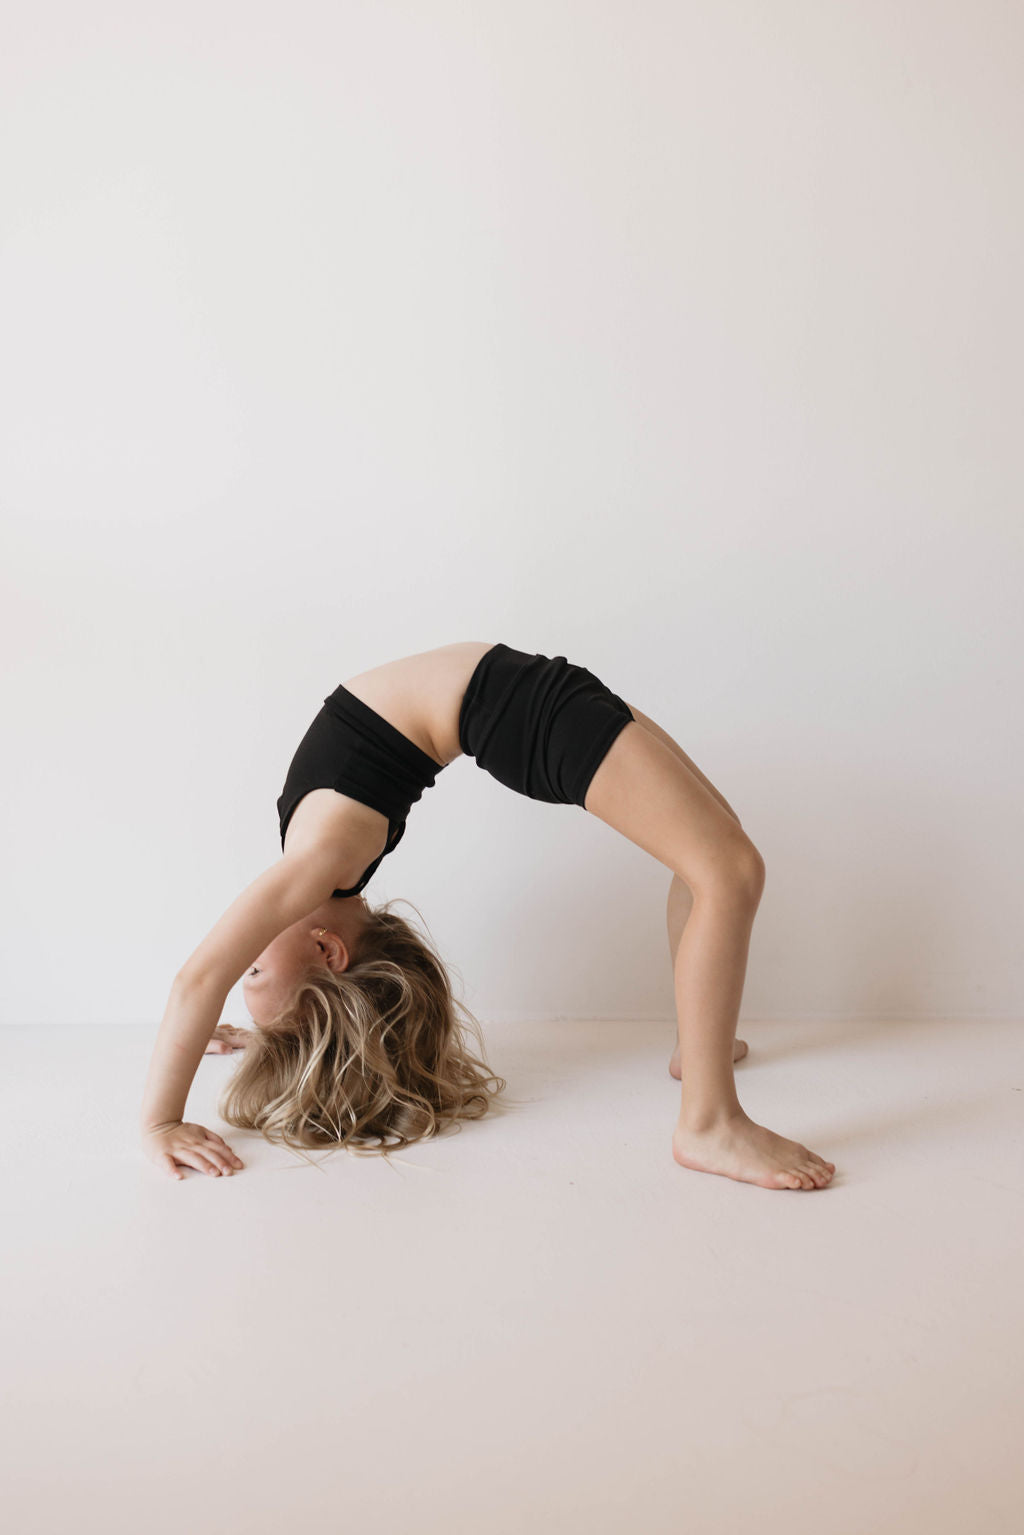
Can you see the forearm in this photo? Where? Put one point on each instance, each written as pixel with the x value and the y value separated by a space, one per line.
pixel 192 1013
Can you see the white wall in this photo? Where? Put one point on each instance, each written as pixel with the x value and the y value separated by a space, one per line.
pixel 682 339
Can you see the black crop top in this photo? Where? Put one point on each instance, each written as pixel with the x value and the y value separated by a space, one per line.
pixel 351 748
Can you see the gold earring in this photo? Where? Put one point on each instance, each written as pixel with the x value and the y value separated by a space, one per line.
pixel 321 931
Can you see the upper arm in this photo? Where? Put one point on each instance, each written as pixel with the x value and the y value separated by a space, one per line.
pixel 281 895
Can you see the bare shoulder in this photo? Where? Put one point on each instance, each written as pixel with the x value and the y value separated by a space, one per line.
pixel 421 694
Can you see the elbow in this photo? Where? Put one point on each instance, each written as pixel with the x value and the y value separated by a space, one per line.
pixel 190 979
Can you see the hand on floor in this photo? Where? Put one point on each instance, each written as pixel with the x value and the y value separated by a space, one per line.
pixel 174 1146
pixel 225 1038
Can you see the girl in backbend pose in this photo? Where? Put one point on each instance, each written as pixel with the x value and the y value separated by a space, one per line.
pixel 358 1039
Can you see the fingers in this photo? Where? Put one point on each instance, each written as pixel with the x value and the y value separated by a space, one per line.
pixel 226 1038
pixel 205 1163
pixel 191 1158
pixel 188 1145
pixel 216 1160
pixel 212 1160
pixel 221 1148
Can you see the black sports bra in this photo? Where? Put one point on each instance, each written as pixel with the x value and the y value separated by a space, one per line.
pixel 352 748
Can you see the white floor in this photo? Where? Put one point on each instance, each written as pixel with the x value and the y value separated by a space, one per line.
pixel 538 1324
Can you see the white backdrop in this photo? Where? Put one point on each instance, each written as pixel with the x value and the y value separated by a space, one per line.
pixel 681 339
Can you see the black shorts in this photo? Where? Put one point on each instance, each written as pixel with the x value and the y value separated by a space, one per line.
pixel 539 724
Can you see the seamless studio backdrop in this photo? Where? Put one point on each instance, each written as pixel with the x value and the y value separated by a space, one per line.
pixel 683 340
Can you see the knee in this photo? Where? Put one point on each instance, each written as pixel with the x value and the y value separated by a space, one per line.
pixel 736 873
pixel 753 872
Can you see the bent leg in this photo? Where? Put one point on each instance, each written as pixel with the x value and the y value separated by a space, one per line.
pixel 680 904
pixel 648 794
pixel 680 896
pixel 643 790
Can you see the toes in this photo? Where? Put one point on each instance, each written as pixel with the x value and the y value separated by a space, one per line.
pixel 816 1163
pixel 805 1175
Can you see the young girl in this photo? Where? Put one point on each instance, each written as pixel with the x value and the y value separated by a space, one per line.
pixel 358 1039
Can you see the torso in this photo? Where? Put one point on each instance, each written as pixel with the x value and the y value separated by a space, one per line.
pixel 420 695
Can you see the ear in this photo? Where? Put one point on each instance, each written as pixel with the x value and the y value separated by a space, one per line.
pixel 335 952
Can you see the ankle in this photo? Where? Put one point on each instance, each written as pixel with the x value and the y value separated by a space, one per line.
pixel 708 1118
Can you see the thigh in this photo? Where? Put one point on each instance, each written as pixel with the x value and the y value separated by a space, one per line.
pixel 674 746
pixel 651 794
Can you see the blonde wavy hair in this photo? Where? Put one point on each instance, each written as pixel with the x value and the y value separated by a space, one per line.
pixel 373 1058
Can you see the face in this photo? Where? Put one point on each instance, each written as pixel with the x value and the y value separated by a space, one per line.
pixel 267 983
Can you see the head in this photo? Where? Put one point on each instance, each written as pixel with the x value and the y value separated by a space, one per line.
pixel 326 939
pixel 359 1040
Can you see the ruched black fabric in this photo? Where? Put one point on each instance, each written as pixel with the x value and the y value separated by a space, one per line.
pixel 352 748
pixel 540 725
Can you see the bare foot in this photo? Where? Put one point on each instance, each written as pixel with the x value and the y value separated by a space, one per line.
pixel 739 1050
pixel 739 1148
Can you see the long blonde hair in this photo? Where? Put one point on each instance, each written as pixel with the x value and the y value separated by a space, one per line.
pixel 372 1058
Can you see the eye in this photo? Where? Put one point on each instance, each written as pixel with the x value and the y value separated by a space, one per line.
pixel 254 971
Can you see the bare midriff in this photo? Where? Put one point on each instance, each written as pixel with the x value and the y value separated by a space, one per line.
pixel 421 695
